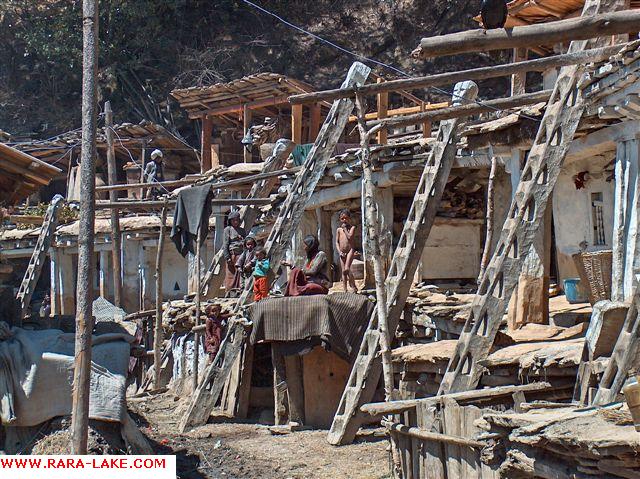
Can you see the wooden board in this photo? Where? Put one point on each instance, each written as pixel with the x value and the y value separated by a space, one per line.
pixel 324 377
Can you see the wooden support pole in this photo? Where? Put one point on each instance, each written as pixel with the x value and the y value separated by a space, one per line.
pixel 383 107
pixel 279 387
pixel 295 388
pixel 296 124
pixel 372 244
pixel 426 126
pixel 315 121
pixel 196 322
pixel 581 28
pixel 488 241
pixel 247 116
pixel 519 80
pixel 205 143
pixel 116 240
pixel 464 110
pixel 483 73
pixel 158 335
pixel 84 289
pixel 373 248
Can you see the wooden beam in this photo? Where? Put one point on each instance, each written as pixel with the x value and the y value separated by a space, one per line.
pixel 425 435
pixel 296 124
pixel 115 215
pixel 465 110
pixel 205 144
pixel 252 105
pixel 382 110
pixel 476 395
pixel 581 28
pixel 158 335
pixel 156 204
pixel 405 110
pixel 315 120
pixel 483 73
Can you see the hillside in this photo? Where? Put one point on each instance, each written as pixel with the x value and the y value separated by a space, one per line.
pixel 149 47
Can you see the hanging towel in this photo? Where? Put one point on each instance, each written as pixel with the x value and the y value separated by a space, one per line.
pixel 192 210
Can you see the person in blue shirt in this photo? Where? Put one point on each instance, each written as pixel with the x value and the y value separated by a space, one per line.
pixel 260 273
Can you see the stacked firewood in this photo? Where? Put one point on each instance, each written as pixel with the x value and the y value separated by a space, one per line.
pixel 562 442
pixel 178 316
pixel 531 354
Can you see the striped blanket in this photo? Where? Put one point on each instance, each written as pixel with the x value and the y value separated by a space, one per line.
pixel 338 320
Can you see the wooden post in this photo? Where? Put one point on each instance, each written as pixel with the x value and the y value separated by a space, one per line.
pixel 519 80
pixel 372 235
pixel 246 119
pixel 198 286
pixel 84 290
pixel 296 124
pixel 372 245
pixel 383 108
pixel 488 241
pixel 426 126
pixel 295 388
pixel 116 240
pixel 158 333
pixel 279 387
pixel 205 142
pixel 315 121
pixel 143 159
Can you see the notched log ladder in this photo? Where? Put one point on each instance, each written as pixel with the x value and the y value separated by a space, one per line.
pixel 208 392
pixel 248 215
pixel 367 366
pixel 32 274
pixel 539 176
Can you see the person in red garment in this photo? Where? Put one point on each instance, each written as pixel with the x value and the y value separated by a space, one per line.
pixel 213 330
pixel 312 278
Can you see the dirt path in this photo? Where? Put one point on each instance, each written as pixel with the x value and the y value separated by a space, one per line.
pixel 249 450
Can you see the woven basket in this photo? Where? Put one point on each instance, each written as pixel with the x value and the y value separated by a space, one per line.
pixel 595 270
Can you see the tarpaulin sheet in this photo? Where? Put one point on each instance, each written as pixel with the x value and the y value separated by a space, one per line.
pixel 36 375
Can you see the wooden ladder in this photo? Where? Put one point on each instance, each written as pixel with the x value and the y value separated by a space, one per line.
pixel 624 354
pixel 557 129
pixel 32 274
pixel 248 214
pixel 367 367
pixel 214 377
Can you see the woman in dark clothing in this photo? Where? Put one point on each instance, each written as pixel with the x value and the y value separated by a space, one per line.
pixel 232 248
pixel 312 278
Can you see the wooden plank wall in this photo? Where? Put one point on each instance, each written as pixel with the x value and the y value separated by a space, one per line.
pixel 434 459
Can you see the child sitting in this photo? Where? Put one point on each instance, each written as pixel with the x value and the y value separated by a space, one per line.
pixel 260 273
pixel 345 245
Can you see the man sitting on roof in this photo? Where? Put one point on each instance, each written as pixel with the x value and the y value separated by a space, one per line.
pixel 153 174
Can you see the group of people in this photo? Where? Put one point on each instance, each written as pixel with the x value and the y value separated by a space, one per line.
pixel 244 259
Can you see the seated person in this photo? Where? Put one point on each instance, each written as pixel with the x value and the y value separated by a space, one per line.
pixel 312 278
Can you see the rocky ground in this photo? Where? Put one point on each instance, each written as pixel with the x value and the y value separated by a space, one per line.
pixel 251 450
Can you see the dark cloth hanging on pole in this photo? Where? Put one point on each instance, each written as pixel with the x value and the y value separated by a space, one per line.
pixel 193 208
